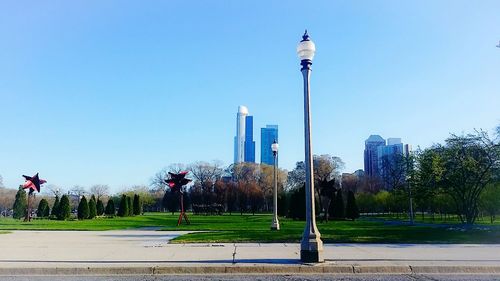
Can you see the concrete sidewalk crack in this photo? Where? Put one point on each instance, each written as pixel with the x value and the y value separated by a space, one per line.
pixel 234 254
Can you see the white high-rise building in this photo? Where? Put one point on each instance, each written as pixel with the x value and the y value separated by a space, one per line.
pixel 239 139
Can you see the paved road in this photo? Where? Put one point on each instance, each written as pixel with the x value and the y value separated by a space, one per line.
pixel 264 278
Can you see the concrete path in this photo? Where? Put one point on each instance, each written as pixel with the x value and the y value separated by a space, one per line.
pixel 151 249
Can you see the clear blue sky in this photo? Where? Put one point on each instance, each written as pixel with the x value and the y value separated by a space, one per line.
pixel 109 92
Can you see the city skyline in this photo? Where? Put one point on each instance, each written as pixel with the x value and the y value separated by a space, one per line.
pixel 121 90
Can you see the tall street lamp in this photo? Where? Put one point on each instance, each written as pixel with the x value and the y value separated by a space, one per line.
pixel 276 224
pixel 311 246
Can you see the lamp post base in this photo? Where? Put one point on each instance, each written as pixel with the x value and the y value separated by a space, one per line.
pixel 275 225
pixel 311 256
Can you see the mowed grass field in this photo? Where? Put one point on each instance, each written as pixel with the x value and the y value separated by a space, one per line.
pixel 256 228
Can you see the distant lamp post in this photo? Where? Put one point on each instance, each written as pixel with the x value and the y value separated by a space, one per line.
pixel 276 224
pixel 311 246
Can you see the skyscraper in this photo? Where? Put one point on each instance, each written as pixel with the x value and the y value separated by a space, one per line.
pixel 244 146
pixel 249 142
pixel 371 155
pixel 239 139
pixel 376 152
pixel 268 135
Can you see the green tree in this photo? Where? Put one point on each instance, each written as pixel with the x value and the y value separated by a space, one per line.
pixel 64 208
pixel 428 175
pixel 43 209
pixel 137 205
pixel 366 202
pixel 123 209
pixel 83 209
pixel 297 209
pixel 170 201
pixel 468 164
pixel 490 200
pixel 351 211
pixel 110 208
pixel 55 207
pixel 20 204
pixel 100 207
pixel 130 206
pixel 337 210
pixel 92 207
pixel 283 203
pixel 382 200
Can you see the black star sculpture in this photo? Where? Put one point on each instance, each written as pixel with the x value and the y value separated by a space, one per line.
pixel 176 182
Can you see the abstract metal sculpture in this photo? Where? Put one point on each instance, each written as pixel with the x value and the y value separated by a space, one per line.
pixel 176 182
pixel 32 183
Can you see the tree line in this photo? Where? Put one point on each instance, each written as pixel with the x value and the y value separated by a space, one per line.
pixel 460 177
pixel 87 209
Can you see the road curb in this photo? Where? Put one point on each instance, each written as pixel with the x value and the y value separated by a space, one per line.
pixel 248 269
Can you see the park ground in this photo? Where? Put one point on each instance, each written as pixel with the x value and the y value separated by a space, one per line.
pixel 250 228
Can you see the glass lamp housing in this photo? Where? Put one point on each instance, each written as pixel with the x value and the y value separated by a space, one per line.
pixel 306 49
pixel 274 147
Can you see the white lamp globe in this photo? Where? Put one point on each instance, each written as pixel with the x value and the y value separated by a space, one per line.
pixel 274 146
pixel 306 48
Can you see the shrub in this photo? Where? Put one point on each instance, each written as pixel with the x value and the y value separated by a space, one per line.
pixel 55 207
pixel 92 208
pixel 43 209
pixel 20 204
pixel 99 207
pixel 110 208
pixel 297 208
pixel 123 209
pixel 83 209
pixel 351 211
pixel 137 205
pixel 64 208
pixel 337 208
pixel 130 207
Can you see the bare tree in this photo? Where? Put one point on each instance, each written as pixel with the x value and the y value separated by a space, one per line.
pixel 158 180
pixel 7 197
pixel 245 172
pixel 393 169
pixel 206 175
pixel 350 182
pixel 325 168
pixel 205 172
pixel 266 182
pixel 99 190
pixel 78 190
pixel 297 176
pixel 53 189
pixel 1 181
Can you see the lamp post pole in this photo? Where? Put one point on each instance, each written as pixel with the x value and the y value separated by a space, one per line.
pixel 276 224
pixel 311 246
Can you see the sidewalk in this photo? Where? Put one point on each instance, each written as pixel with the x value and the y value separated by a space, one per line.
pixel 148 252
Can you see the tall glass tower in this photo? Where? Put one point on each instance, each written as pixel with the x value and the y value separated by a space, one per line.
pixel 268 135
pixel 371 155
pixel 249 143
pixel 239 139
pixel 244 146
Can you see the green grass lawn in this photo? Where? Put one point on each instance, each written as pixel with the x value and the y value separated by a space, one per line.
pixel 450 219
pixel 152 219
pixel 256 228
